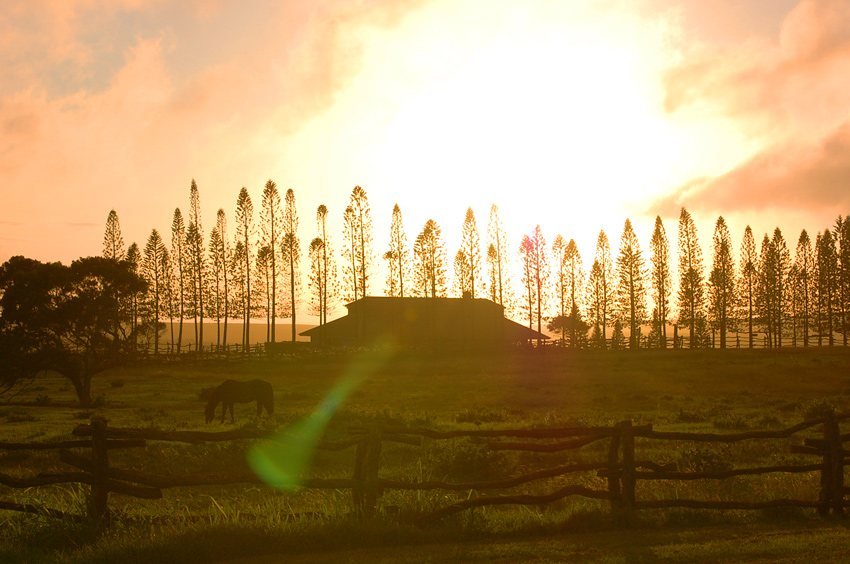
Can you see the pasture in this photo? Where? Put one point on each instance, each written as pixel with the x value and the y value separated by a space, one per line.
pixel 712 391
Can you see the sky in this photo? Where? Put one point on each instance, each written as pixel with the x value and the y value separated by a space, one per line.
pixel 571 114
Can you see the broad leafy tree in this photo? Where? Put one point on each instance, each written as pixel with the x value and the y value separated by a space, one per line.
pixel 65 319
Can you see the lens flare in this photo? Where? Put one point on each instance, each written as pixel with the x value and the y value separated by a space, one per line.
pixel 283 460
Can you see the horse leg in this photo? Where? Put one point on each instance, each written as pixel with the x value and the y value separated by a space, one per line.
pixel 232 420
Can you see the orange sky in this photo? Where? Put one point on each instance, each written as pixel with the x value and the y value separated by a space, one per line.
pixel 573 115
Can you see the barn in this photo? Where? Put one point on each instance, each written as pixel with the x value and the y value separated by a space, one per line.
pixel 443 322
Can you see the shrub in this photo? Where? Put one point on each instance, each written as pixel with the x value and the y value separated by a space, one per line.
pixel 816 409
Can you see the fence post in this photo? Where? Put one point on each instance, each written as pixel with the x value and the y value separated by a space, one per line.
pixel 628 475
pixel 367 462
pixel 832 434
pixel 614 472
pixel 98 508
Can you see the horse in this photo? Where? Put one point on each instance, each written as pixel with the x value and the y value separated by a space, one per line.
pixel 234 391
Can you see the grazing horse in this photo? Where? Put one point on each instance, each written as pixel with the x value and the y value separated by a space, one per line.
pixel 233 391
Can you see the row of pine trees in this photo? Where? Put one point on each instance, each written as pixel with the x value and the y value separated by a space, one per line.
pixel 253 269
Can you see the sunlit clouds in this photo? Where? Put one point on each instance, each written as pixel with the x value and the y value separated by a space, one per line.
pixel 573 115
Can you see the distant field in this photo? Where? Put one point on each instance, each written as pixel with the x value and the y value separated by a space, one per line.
pixel 712 390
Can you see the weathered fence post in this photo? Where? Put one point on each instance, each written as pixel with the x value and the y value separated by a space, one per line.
pixel 98 508
pixel 367 462
pixel 832 434
pixel 628 475
pixel 614 472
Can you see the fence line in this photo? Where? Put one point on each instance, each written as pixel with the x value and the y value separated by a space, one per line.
pixel 620 467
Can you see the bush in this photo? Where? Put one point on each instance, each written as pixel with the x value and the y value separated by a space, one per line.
pixel 816 409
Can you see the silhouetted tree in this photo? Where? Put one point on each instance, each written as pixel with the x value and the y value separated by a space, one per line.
pixel 398 256
pixel 195 246
pixel 134 258
pixel 842 242
pixel 526 255
pixel 662 282
pixel 691 289
pixel 328 270
pixel 804 265
pixel 358 250
pixel 317 278
pixel 605 281
pixel 575 283
pixel 748 281
pixel 595 298
pixel 462 268
pixel 170 305
pixel 222 253
pixel 766 289
pixel 153 272
pixel 497 260
pixel 827 261
pixel 721 281
pixel 291 246
pixel 67 320
pixel 631 287
pixel 179 258
pixel 216 270
pixel 470 246
pixel 263 286
pixel 780 300
pixel 244 232
pixel 430 261
pixel 559 255
pixel 271 222
pixel 617 337
pixel 113 242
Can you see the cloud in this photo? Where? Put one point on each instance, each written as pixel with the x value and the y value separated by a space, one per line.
pixel 784 177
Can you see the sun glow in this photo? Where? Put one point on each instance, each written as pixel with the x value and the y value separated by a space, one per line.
pixel 554 112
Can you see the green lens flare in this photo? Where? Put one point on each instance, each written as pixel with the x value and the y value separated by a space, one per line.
pixel 283 460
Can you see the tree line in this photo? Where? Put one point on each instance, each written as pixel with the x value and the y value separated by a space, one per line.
pixel 258 271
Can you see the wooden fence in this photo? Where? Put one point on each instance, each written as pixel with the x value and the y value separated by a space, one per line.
pixel 621 468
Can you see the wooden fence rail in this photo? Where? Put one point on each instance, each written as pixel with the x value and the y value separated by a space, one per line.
pixel 619 466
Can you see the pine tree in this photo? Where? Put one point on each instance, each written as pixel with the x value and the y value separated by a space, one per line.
pixel 766 289
pixel 195 246
pixel 398 256
pixel 827 261
pixel 223 256
pixel 470 246
pixel 328 269
pixel 804 264
pixel 595 300
pixel 169 295
pixel 782 266
pixel 559 256
pixel 134 257
pixel 291 246
pixel 317 278
pixel 271 223
pixel 152 272
pixel 631 288
pixel 526 254
pixel 662 281
pixel 748 281
pixel 691 288
pixel 180 260
pixel 721 281
pixel 575 283
pixel 113 242
pixel 842 242
pixel 263 286
pixel 606 279
pixel 462 268
pixel 358 251
pixel 497 261
pixel 430 261
pixel 244 234
pixel 216 270
pixel 540 266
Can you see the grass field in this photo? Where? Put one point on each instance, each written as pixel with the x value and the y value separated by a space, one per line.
pixel 674 390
